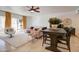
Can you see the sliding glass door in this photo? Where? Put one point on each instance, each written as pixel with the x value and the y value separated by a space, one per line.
pixel 14 23
pixel 2 21
pixel 17 23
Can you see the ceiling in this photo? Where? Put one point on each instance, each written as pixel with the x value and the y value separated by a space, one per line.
pixel 58 9
pixel 23 10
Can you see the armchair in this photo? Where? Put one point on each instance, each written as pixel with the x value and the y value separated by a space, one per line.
pixel 9 31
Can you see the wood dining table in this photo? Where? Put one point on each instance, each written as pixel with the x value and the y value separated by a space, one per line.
pixel 53 36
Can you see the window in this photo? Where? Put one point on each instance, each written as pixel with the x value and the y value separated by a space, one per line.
pixel 17 23
pixel 2 22
pixel 14 23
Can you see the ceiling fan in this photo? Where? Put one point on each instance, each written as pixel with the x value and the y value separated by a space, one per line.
pixel 34 9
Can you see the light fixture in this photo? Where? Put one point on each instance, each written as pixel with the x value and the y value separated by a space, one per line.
pixel 34 9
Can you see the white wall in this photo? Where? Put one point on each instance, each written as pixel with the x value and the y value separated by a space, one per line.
pixel 75 20
pixel 38 20
pixel 29 21
pixel 42 19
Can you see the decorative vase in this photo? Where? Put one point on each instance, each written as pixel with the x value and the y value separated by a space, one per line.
pixel 54 22
pixel 54 26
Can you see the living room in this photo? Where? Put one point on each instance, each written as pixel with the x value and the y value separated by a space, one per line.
pixel 21 19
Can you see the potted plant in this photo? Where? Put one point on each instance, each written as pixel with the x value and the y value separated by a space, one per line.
pixel 54 22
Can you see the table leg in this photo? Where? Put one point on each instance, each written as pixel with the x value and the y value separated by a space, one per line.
pixel 53 46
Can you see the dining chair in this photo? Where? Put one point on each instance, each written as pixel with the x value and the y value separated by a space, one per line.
pixel 66 38
pixel 9 31
pixel 60 26
pixel 46 37
pixel 43 28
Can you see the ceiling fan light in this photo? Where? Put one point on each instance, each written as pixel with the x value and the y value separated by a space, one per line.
pixel 32 11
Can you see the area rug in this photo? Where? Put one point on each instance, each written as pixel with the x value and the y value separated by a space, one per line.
pixel 18 39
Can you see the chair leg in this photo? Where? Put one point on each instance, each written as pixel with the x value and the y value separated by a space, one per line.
pixel 68 45
pixel 44 41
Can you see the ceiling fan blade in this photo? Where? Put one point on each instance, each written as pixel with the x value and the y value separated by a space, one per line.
pixel 37 8
pixel 37 11
pixel 34 8
pixel 31 8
